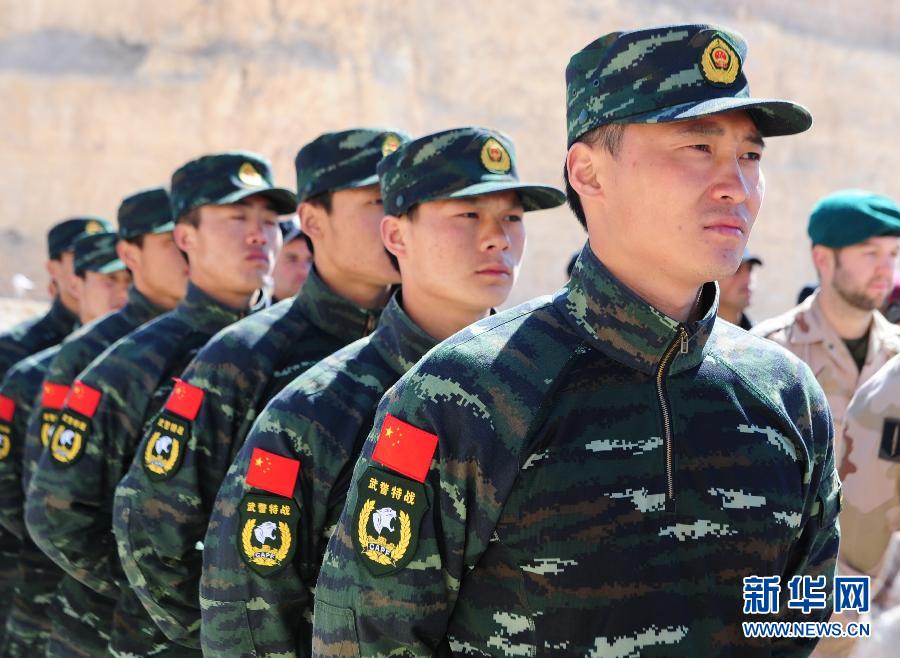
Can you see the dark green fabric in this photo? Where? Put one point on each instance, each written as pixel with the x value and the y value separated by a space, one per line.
pixel 852 216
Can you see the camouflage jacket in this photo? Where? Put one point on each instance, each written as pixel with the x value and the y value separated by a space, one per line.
pixel 22 386
pixel 56 367
pixel 603 478
pixel 35 334
pixel 162 506
pixel 68 509
pixel 320 419
pixel 806 332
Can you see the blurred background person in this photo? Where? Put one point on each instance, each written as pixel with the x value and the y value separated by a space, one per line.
pixel 736 292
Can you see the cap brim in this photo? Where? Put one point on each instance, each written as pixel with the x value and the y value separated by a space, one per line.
pixel 534 197
pixel 754 260
pixel 772 117
pixel 284 200
pixel 112 266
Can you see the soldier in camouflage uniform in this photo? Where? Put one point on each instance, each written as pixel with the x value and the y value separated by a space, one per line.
pixel 293 264
pixel 103 287
pixel 226 210
pixel 595 472
pixel 838 331
pixel 870 517
pixel 80 618
pixel 465 202
pixel 163 503
pixel 34 335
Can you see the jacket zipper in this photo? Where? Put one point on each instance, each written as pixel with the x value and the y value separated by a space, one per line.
pixel 680 343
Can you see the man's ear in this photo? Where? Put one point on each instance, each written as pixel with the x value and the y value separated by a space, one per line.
pixel 393 235
pixel 584 170
pixel 312 219
pixel 824 261
pixel 130 254
pixel 53 269
pixel 185 237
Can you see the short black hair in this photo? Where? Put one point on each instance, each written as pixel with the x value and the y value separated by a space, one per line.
pixel 136 240
pixel 322 200
pixel 191 217
pixel 610 138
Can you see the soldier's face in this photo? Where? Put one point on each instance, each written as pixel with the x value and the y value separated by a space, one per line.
pixel 62 271
pixel 232 251
pixel 164 270
pixel 464 252
pixel 103 293
pixel 350 238
pixel 681 196
pixel 291 268
pixel 863 273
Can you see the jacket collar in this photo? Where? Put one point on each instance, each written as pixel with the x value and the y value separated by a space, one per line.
pixel 399 340
pixel 332 313
pixel 204 314
pixel 619 323
pixel 139 309
pixel 61 317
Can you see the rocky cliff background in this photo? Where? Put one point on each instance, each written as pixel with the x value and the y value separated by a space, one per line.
pixel 103 97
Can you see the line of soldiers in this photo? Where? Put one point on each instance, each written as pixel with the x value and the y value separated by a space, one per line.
pixel 381 465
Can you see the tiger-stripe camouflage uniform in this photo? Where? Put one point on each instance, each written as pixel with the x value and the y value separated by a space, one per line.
pixel 25 339
pixel 163 506
pixel 322 418
pixel 28 626
pixel 585 475
pixel 80 619
pixel 70 498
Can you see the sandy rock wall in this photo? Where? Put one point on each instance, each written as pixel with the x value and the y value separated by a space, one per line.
pixel 101 98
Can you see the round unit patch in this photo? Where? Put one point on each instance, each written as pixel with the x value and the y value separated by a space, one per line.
pixel 5 443
pixel 494 157
pixel 720 63
pixel 164 449
pixel 390 144
pixel 250 176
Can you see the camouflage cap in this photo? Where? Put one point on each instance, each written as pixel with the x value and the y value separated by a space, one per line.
pixel 452 164
pixel 852 216
pixel 147 211
pixel 61 237
pixel 343 160
pixel 97 253
pixel 668 73
pixel 289 227
pixel 223 178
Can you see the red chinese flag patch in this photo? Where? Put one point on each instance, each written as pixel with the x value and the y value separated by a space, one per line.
pixel 83 399
pixel 54 396
pixel 7 408
pixel 185 400
pixel 271 472
pixel 404 448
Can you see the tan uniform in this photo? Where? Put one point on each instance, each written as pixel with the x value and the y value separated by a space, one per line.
pixel 806 332
pixel 871 486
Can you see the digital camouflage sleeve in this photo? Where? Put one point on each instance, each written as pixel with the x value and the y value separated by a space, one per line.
pixel 163 504
pixel 321 419
pixel 603 480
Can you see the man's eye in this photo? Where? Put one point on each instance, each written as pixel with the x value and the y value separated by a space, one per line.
pixel 701 147
pixel 752 155
pixel 514 218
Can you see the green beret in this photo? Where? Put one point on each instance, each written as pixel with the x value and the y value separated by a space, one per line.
pixel 852 216
pixel 148 211
pixel 452 164
pixel 97 253
pixel 224 178
pixel 343 160
pixel 61 237
pixel 668 73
